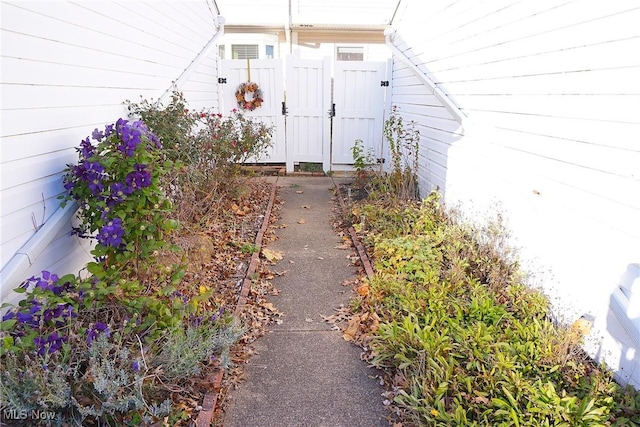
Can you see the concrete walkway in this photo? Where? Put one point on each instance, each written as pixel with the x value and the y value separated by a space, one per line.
pixel 305 374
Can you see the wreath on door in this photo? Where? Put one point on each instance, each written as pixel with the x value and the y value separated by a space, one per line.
pixel 249 96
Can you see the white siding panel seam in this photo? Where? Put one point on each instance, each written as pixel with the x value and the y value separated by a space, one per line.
pixel 108 34
pixel 529 75
pixel 101 69
pixel 468 65
pixel 555 116
pixel 480 18
pixel 518 39
pixel 533 154
pixel 96 49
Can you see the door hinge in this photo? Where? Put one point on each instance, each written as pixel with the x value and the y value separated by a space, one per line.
pixel 332 110
pixel 285 110
pixel 222 80
pixel 384 83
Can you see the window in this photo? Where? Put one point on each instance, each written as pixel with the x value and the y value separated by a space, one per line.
pixel 244 51
pixel 268 51
pixel 221 51
pixel 350 53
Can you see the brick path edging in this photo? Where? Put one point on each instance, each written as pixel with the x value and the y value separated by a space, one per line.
pixel 362 253
pixel 211 398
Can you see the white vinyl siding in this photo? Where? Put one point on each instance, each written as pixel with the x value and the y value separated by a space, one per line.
pixel 552 94
pixel 67 68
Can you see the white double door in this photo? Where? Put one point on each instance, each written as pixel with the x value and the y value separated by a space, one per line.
pixel 301 109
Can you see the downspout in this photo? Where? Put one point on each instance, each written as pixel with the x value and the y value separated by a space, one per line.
pixel 13 273
pixel 219 24
pixel 435 90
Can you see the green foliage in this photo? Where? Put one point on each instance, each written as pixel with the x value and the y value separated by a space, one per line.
pixel 173 124
pixel 362 161
pixel 187 348
pixel 400 184
pixel 207 149
pixel 466 342
pixel 117 183
pixel 249 248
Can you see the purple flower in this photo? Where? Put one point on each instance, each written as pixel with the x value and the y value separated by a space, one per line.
pixel 50 344
pixel 154 139
pixel 86 149
pixel 135 365
pixel 130 134
pixel 139 178
pixel 119 191
pixel 24 317
pixel 47 281
pixel 111 234
pixel 68 184
pixel 90 172
pixel 97 135
pixel 217 315
pixel 59 312
pixel 108 130
pixel 35 307
pixel 97 328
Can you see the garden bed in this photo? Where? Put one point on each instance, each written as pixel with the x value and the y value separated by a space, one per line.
pixel 461 339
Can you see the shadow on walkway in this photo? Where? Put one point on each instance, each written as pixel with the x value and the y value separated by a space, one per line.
pixel 305 374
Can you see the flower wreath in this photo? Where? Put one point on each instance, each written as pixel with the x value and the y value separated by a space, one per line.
pixel 254 101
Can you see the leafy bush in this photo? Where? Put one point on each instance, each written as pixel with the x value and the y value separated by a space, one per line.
pixel 207 148
pixel 362 161
pixel 464 341
pixel 117 183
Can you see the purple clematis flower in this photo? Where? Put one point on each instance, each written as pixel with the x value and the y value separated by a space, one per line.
pixel 118 192
pixel 139 178
pixel 97 135
pixel 96 330
pixel 86 148
pixel 111 234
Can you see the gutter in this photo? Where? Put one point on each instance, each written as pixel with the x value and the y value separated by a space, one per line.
pixel 219 24
pixel 14 272
pixel 424 78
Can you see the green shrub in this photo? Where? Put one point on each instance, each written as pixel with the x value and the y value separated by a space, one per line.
pixel 207 149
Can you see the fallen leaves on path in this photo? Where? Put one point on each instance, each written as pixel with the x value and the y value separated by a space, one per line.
pixel 351 331
pixel 272 255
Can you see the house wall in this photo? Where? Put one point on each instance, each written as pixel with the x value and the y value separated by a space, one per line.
pixel 551 139
pixel 318 51
pixel 66 69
